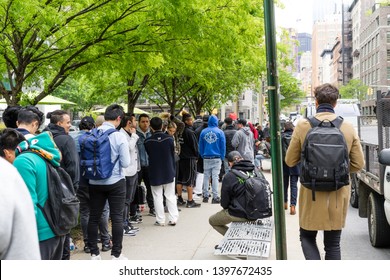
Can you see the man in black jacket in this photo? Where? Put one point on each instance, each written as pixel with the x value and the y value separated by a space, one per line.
pixel 229 131
pixel 232 195
pixel 187 163
pixel 59 126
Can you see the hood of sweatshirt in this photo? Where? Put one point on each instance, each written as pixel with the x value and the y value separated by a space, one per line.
pixel 55 129
pixel 42 144
pixel 246 130
pixel 244 165
pixel 213 121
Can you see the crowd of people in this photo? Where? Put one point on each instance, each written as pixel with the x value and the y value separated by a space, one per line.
pixel 192 153
pixel 169 155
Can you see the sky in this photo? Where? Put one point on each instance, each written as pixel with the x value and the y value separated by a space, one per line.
pixel 298 14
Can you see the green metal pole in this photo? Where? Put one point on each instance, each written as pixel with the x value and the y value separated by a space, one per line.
pixel 273 101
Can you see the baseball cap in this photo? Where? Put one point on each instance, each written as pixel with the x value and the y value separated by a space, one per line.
pixel 205 118
pixel 241 121
pixel 234 156
pixel 88 119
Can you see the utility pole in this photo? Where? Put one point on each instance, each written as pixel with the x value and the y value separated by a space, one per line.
pixel 274 113
pixel 343 40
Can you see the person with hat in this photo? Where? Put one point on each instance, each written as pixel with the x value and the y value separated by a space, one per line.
pixel 232 195
pixel 229 132
pixel 243 140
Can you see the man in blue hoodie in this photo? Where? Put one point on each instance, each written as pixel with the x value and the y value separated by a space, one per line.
pixel 212 148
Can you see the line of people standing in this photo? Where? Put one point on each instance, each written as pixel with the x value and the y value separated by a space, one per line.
pixel 139 149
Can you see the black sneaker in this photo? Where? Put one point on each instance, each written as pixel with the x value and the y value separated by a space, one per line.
pixel 139 217
pixel 180 201
pixel 152 213
pixel 192 204
pixel 106 247
pixel 135 220
pixel 129 232
pixel 215 200
pixel 205 199
pixel 86 249
pixel 133 227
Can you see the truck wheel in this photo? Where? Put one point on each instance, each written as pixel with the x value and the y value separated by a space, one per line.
pixel 378 228
pixel 354 200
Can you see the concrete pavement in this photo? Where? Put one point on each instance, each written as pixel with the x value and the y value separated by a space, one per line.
pixel 191 239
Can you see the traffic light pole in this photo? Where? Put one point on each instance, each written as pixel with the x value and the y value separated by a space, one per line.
pixel 273 101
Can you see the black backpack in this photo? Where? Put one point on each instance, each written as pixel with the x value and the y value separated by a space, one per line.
pixel 258 201
pixel 61 208
pixel 286 139
pixel 324 157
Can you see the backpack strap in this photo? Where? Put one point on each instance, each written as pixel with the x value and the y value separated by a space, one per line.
pixel 240 174
pixel 109 132
pixel 337 122
pixel 314 122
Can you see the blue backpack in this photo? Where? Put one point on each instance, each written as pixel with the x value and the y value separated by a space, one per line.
pixel 95 154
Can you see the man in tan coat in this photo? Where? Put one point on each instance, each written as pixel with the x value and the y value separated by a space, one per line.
pixel 329 210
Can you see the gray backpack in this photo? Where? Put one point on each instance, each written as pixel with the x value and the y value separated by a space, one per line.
pixel 324 157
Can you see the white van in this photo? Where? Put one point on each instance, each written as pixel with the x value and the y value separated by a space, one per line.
pixel 349 111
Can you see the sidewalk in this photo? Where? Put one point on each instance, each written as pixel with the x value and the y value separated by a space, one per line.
pixel 191 239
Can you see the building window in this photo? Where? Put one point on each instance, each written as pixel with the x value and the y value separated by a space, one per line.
pixel 388 55
pixel 388 19
pixel 388 36
pixel 388 72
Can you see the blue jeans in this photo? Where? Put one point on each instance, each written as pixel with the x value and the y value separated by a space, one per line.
pixel 226 164
pixel 331 244
pixel 258 159
pixel 293 180
pixel 211 167
pixel 115 194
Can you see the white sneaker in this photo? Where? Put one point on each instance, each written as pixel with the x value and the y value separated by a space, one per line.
pixel 96 258
pixel 120 258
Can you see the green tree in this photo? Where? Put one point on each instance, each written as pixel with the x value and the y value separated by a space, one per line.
pixel 289 88
pixel 122 46
pixel 355 89
pixel 45 42
pixel 84 93
pixel 213 45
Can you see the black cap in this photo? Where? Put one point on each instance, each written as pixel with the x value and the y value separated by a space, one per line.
pixel 88 119
pixel 205 118
pixel 241 121
pixel 234 156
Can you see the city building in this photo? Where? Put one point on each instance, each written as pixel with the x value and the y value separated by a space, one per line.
pixel 305 72
pixel 323 8
pixel 371 48
pixel 304 46
pixel 324 34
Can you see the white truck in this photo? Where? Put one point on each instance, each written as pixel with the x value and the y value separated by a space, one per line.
pixel 370 188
